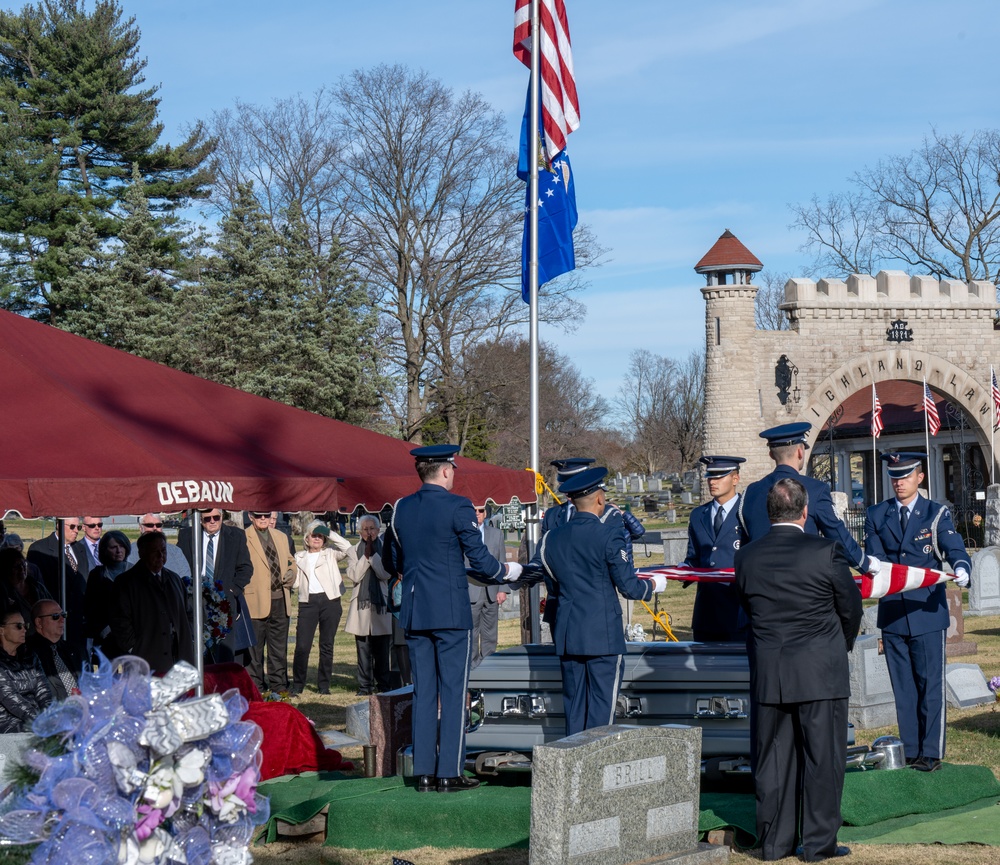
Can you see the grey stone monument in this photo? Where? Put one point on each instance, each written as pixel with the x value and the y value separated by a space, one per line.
pixel 984 592
pixel 966 686
pixel 358 724
pixel 869 618
pixel 992 527
pixel 619 794
pixel 671 515
pixel 675 544
pixel 687 498
pixel 871 703
pixel 655 485
pixel 635 485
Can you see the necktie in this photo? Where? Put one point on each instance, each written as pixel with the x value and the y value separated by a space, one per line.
pixel 904 518
pixel 210 560
pixel 71 558
pixel 720 518
pixel 65 676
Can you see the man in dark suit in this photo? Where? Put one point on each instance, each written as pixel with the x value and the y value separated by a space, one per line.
pixel 787 446
pixel 45 555
pixel 586 558
pixel 486 598
pixel 150 617
pixel 908 529
pixel 225 558
pixel 714 536
pixel 60 661
pixel 805 610
pixel 435 533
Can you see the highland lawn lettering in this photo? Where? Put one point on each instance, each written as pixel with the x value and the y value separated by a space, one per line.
pixel 194 492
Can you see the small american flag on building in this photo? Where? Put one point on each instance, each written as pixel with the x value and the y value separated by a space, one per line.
pixel 996 399
pixel 877 426
pixel 933 418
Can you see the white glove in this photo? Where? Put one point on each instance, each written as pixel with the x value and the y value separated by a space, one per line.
pixel 659 582
pixel 513 572
pixel 874 565
pixel 962 578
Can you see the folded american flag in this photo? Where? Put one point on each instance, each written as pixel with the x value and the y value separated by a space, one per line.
pixel 889 580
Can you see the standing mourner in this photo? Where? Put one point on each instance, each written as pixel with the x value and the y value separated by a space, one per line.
pixel 435 532
pixel 113 553
pixel 269 601
pixel 319 588
pixel 486 599
pixel 714 537
pixel 45 554
pixel 787 447
pixel 149 612
pixel 585 558
pixel 805 610
pixel 368 617
pixel 908 529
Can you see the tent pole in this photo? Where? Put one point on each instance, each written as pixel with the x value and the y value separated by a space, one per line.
pixel 196 598
pixel 61 534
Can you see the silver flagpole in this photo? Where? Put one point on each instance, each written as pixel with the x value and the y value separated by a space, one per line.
pixel 874 450
pixel 535 592
pixel 993 429
pixel 927 442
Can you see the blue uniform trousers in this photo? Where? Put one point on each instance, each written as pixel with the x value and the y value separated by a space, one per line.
pixel 916 670
pixel 440 662
pixel 590 689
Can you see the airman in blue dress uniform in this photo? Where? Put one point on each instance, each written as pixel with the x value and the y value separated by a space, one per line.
pixel 435 533
pixel 714 537
pixel 908 529
pixel 584 560
pixel 787 447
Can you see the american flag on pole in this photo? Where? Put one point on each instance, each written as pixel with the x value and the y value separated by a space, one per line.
pixel 996 399
pixel 933 418
pixel 877 426
pixel 560 106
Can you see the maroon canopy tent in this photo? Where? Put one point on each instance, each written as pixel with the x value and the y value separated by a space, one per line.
pixel 90 429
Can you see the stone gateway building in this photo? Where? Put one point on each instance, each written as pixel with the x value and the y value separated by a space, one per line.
pixel 891 330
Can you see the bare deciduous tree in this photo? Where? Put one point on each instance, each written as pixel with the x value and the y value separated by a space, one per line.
pixel 935 210
pixel 662 404
pixel 767 311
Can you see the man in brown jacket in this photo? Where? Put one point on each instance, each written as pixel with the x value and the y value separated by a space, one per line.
pixel 269 601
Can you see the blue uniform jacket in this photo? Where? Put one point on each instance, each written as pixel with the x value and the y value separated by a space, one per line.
pixel 822 517
pixel 717 610
pixel 584 562
pixel 435 532
pixel 919 611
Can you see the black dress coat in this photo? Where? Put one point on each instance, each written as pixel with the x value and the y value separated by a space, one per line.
pixel 45 554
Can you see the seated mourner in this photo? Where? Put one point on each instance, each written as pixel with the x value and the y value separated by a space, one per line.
pixel 24 690
pixel 60 661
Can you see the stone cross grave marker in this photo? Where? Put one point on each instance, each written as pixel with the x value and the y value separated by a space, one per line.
pixel 619 794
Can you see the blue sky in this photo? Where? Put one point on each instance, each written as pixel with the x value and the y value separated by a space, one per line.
pixel 696 117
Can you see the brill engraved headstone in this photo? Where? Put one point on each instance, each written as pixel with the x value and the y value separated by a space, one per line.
pixel 967 686
pixel 619 794
pixel 984 592
pixel 871 703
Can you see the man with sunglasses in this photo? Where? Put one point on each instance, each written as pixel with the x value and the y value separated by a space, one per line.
pixel 45 554
pixel 225 559
pixel 60 661
pixel 176 560
pixel 92 528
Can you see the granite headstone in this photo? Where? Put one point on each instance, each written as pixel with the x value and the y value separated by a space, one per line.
pixel 967 686
pixel 390 726
pixel 871 703
pixel 955 643
pixel 984 592
pixel 619 794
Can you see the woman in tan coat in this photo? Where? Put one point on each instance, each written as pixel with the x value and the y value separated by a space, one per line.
pixel 320 587
pixel 368 617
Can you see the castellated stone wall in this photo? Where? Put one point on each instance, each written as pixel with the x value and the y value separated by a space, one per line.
pixel 844 336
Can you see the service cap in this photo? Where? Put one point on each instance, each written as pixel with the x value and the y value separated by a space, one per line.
pixel 584 482
pixel 787 434
pixel 435 453
pixel 570 466
pixel 720 466
pixel 899 464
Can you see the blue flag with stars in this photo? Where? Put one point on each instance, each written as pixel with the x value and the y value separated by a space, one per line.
pixel 556 213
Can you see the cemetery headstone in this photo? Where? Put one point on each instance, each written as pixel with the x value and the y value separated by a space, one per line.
pixel 635 485
pixel 955 644
pixel 967 686
pixel 992 527
pixel 390 726
pixel 871 703
pixel 671 515
pixel 619 794
pixel 655 485
pixel 687 498
pixel 984 592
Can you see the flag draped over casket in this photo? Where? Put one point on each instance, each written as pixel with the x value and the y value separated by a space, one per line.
pixel 889 580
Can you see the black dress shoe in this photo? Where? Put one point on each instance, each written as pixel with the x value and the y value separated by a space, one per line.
pixel 927 764
pixel 839 850
pixel 455 785
pixel 912 761
pixel 426 783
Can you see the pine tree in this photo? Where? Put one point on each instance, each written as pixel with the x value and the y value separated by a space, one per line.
pixel 74 120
